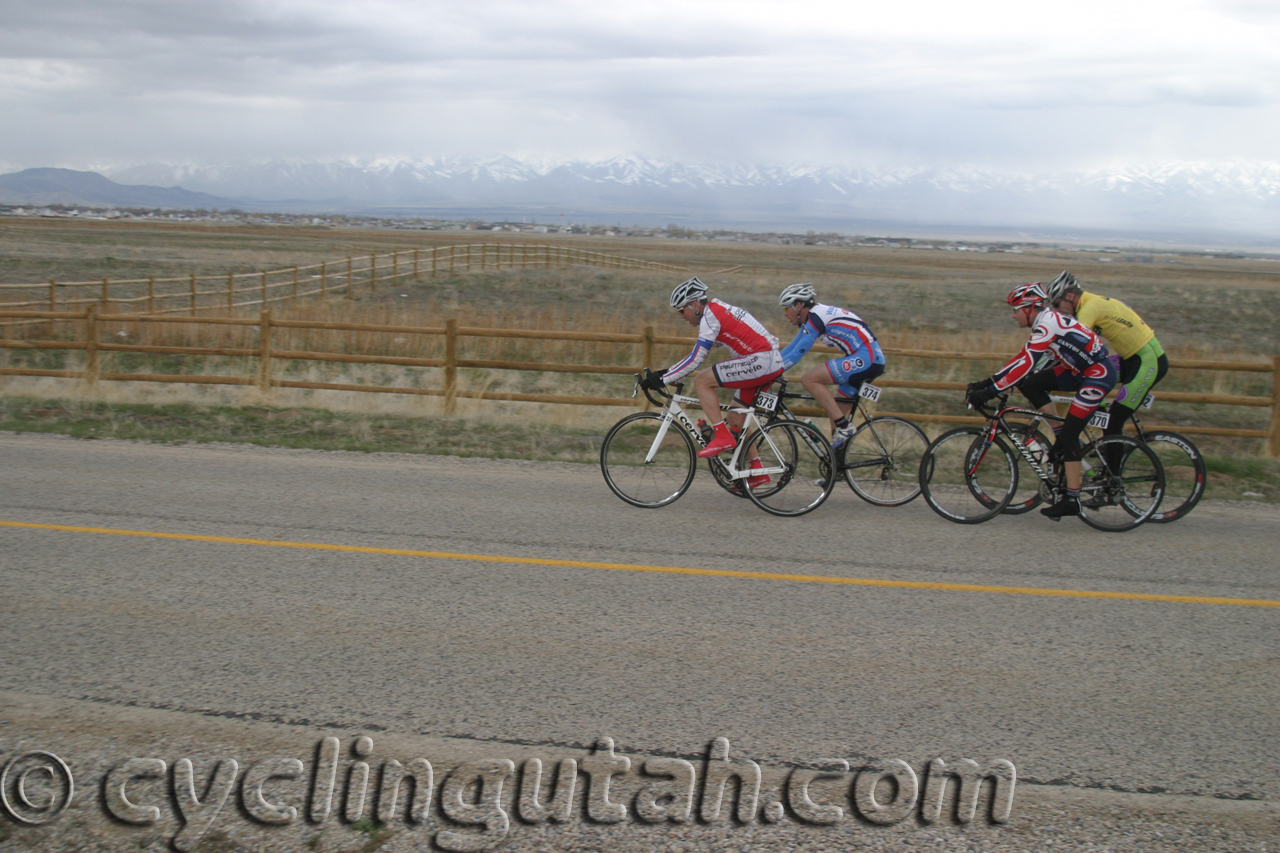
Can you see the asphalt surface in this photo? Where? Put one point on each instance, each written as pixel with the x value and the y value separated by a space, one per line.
pixel 1129 696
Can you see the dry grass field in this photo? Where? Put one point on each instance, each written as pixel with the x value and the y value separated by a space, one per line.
pixel 1220 308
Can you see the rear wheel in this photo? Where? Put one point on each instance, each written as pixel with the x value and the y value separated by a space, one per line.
pixel 881 462
pixel 1184 474
pixel 965 479
pixel 641 470
pixel 799 463
pixel 1121 483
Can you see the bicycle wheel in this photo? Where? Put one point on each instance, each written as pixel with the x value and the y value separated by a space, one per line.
pixel 799 463
pixel 966 480
pixel 881 462
pixel 642 471
pixel 1121 483
pixel 1184 474
pixel 1029 494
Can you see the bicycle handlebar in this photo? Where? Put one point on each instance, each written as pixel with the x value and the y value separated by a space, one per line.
pixel 985 409
pixel 679 386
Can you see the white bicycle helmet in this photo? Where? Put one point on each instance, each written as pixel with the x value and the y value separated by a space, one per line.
pixel 1062 285
pixel 687 292
pixel 794 293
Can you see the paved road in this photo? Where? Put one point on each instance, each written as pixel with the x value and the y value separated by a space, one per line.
pixel 1127 695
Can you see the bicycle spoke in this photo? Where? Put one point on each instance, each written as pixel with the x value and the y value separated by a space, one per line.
pixel 1121 483
pixel 799 464
pixel 964 479
pixel 642 470
pixel 881 462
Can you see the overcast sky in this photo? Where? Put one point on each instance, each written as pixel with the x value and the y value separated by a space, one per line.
pixel 1038 87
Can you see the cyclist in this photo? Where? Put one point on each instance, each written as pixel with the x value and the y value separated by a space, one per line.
pixel 755 362
pixel 1079 362
pixel 1142 360
pixel 860 359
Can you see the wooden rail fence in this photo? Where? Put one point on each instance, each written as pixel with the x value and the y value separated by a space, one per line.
pixel 346 276
pixel 91 320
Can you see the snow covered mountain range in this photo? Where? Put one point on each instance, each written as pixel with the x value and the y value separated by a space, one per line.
pixel 1213 198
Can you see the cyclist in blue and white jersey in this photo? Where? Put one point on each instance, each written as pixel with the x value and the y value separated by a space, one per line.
pixel 860 359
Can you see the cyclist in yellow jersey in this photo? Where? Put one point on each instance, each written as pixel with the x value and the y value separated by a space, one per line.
pixel 1142 360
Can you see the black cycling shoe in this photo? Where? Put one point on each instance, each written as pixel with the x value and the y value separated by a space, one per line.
pixel 1065 506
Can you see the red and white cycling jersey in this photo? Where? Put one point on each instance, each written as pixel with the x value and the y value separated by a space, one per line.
pixel 727 326
pixel 1058 335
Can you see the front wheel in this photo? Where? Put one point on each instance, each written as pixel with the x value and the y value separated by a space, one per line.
pixel 1121 483
pixel 1030 487
pixel 1184 474
pixel 647 460
pixel 798 462
pixel 881 462
pixel 967 479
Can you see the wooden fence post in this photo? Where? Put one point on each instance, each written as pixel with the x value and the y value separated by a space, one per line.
pixel 264 289
pixel 151 294
pixel 264 351
pixel 373 273
pixel 106 294
pixel 91 369
pixel 53 295
pixel 193 294
pixel 295 287
pixel 1275 407
pixel 450 365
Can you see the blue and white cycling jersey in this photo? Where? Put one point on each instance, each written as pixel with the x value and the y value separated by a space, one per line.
pixel 836 327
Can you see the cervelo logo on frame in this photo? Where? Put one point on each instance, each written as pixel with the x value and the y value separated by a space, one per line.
pixel 477 798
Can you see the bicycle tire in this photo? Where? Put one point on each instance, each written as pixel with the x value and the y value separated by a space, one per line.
pixel 881 461
pixel 966 481
pixel 1030 492
pixel 657 482
pixel 1121 483
pixel 799 463
pixel 1185 476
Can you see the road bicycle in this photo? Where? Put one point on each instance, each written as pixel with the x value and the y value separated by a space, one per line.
pixel 881 460
pixel 648 459
pixel 971 474
pixel 1184 467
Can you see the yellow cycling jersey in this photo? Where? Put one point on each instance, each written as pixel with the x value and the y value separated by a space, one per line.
pixel 1115 321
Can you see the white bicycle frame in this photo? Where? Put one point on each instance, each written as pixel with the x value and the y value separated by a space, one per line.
pixel 673 412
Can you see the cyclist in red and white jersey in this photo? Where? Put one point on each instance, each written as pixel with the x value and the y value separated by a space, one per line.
pixel 755 364
pixel 1079 361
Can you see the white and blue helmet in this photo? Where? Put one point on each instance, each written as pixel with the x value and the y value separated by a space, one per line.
pixel 687 292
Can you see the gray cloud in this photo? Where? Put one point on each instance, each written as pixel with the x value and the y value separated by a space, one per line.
pixel 85 82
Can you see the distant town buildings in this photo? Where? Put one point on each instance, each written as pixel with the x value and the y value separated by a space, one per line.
pixel 674 232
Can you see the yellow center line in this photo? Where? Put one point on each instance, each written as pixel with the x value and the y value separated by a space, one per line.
pixel 671 570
